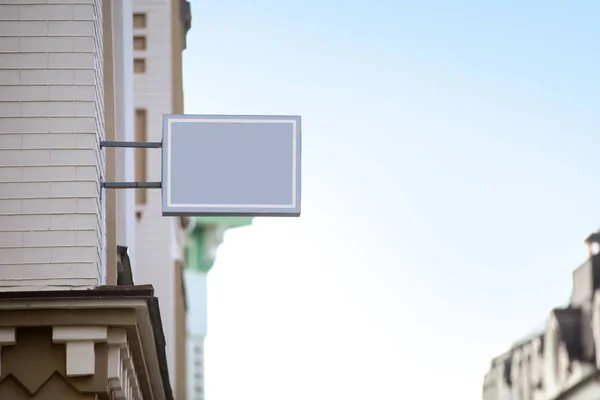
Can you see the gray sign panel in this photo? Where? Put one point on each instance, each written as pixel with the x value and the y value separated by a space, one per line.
pixel 231 165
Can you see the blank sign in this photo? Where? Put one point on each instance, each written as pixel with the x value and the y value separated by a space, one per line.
pixel 231 165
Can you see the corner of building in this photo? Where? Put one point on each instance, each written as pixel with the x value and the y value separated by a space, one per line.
pixel 68 303
pixel 560 361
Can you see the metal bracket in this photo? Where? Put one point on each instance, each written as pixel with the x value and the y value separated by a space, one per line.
pixel 139 145
pixel 132 185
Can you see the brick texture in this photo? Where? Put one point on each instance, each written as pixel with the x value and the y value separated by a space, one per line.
pixel 51 121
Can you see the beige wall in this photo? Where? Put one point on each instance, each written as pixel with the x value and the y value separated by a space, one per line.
pixel 155 238
pixel 181 336
pixel 51 120
pixel 110 196
pixel 177 56
pixel 177 107
pixel 158 90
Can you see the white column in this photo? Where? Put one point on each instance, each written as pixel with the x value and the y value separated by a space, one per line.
pixel 123 47
pixel 197 328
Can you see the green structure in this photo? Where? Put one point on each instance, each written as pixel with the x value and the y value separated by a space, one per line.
pixel 205 235
pixel 204 238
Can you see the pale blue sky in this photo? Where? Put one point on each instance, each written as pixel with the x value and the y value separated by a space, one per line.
pixel 449 179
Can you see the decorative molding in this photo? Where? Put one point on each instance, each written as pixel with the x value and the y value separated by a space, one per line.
pixel 65 334
pixel 596 325
pixel 539 369
pixel 8 337
pixel 121 371
pixel 109 308
pixel 566 356
pixel 563 367
pixel 79 344
pixel 537 363
pixel 213 238
pixel 542 368
pixel 559 366
pixel 551 361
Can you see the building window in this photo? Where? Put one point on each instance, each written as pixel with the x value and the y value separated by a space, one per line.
pixel 139 65
pixel 139 42
pixel 139 20
pixel 141 135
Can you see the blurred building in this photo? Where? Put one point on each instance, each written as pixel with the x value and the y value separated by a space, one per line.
pixel 561 361
pixel 205 235
pixel 159 38
pixel 72 324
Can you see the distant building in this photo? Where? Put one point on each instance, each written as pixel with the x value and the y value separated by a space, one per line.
pixel 204 238
pixel 562 361
pixel 159 38
pixel 195 360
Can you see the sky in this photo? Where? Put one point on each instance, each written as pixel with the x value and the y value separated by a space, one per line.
pixel 449 159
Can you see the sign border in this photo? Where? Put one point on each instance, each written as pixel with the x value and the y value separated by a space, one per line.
pixel 171 209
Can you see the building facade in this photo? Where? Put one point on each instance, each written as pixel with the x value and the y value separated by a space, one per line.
pixel 205 235
pixel 159 37
pixel 562 361
pixel 72 323
pixel 195 371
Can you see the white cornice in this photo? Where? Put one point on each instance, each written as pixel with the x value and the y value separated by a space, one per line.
pixel 121 372
pixel 144 327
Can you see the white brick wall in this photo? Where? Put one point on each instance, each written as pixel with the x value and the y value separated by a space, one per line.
pixel 51 121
